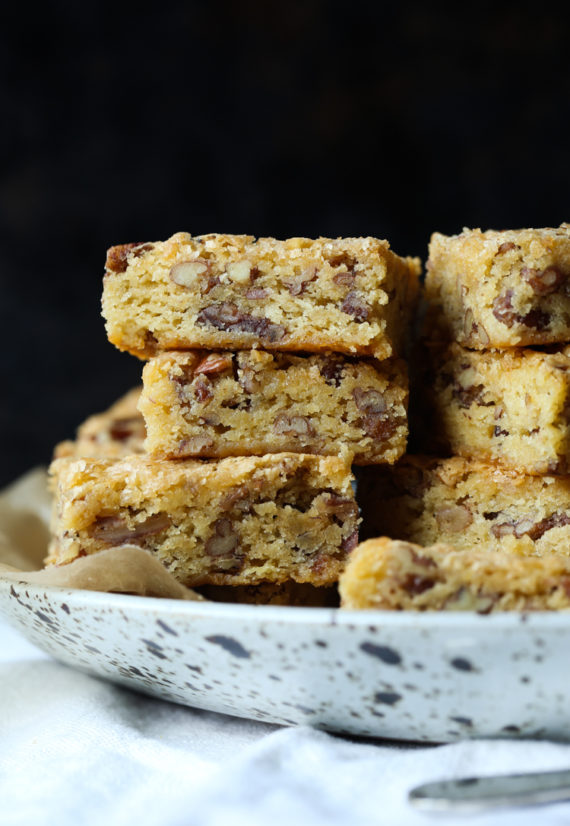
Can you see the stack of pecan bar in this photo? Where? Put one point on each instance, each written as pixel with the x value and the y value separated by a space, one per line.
pixel 271 366
pixel 497 402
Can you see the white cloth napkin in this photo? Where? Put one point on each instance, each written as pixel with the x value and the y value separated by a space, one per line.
pixel 77 750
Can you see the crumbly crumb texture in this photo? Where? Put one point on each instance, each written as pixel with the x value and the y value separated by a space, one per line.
pixel 254 402
pixel 236 521
pixel 399 576
pixel 118 431
pixel 510 406
pixel 468 504
pixel 351 295
pixel 501 289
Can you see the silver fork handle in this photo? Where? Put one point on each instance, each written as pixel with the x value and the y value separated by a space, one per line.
pixel 473 794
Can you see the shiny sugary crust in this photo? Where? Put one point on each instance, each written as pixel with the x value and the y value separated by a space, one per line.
pixel 468 504
pixel 350 295
pixel 237 521
pixel 117 432
pixel 255 402
pixel 510 407
pixel 501 289
pixel 394 575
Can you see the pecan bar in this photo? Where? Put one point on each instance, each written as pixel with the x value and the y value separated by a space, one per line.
pixel 510 407
pixel 350 295
pixel 468 504
pixel 501 289
pixel 252 402
pixel 394 575
pixel 237 521
pixel 119 431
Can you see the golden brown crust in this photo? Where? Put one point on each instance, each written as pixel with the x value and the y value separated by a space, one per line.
pixel 221 403
pixel 468 504
pixel 237 521
pixel 501 289
pixel 349 295
pixel 510 407
pixel 395 575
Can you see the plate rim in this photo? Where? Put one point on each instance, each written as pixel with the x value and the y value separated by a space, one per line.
pixel 292 614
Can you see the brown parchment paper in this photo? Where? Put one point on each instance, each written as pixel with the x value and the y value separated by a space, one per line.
pixel 24 535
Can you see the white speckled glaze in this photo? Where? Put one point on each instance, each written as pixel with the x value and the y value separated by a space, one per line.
pixel 427 677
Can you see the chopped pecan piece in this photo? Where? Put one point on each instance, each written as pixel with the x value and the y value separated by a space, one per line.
pixel 415 584
pixel 543 282
pixel 483 335
pixel 344 279
pixel 453 518
pixel 189 274
pixel 118 257
pixel 350 543
pixel 224 540
pixel 468 323
pixel 502 529
pixel 227 316
pixel 202 390
pixel 222 315
pixel 381 427
pixel 109 529
pixel 297 285
pixel 466 396
pixel 504 312
pixel 524 525
pixel 355 305
pixel 113 530
pixel 527 525
pixel 506 247
pixel 555 520
pixel 341 506
pixel 376 420
pixel 261 327
pixel 256 294
pixel 195 446
pixel 237 498
pixel 293 425
pixel 503 309
pixel 214 363
pixel 209 283
pixel 331 370
pixel 369 401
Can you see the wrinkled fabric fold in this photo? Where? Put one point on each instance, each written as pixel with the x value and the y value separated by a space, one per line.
pixel 75 749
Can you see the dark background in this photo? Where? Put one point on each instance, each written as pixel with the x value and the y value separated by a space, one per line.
pixel 298 118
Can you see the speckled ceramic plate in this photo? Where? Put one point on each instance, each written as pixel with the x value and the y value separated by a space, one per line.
pixel 430 677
